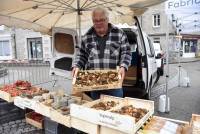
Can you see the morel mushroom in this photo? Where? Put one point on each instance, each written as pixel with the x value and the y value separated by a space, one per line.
pixel 104 105
pixel 137 113
pixel 96 78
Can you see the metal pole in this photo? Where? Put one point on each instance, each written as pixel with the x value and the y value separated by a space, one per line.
pixel 79 20
pixel 179 66
pixel 167 60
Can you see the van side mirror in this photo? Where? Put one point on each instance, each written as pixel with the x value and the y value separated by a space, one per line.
pixel 158 56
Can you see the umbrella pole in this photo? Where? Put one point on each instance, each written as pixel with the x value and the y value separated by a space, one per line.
pixel 79 27
pixel 79 20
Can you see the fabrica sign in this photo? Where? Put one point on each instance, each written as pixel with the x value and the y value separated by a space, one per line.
pixel 182 5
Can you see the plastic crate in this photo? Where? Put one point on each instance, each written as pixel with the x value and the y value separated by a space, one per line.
pixel 52 127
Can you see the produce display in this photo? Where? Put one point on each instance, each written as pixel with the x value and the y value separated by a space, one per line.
pixel 36 117
pixel 195 122
pixel 23 88
pixel 137 113
pixel 57 101
pixel 107 105
pixel 86 78
pixel 162 126
pixel 34 92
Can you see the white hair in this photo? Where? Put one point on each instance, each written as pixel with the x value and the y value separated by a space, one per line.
pixel 101 9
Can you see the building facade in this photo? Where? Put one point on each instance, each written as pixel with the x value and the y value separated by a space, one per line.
pixel 24 44
pixel 7 44
pixel 154 23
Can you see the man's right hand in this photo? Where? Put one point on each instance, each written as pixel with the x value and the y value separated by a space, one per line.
pixel 75 71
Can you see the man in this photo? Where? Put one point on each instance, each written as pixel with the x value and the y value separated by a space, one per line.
pixel 104 46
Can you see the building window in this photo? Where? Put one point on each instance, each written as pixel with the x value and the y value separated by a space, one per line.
pixel 156 40
pixel 5 48
pixel 190 46
pixel 156 20
pixel 35 48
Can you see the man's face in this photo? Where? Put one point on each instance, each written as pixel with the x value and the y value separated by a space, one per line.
pixel 100 22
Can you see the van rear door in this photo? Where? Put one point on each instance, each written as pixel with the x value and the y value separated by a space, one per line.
pixel 149 68
pixel 63 47
pixel 151 60
pixel 142 49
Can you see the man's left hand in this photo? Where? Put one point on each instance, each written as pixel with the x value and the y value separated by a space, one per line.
pixel 121 73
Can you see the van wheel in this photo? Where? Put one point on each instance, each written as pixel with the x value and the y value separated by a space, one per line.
pixel 158 76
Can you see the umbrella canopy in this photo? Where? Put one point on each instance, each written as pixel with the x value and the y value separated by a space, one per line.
pixel 42 15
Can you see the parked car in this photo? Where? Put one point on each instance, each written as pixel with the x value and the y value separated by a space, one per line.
pixel 159 60
pixel 140 76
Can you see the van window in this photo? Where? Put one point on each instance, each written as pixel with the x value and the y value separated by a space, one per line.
pixel 152 52
pixel 132 39
pixel 64 43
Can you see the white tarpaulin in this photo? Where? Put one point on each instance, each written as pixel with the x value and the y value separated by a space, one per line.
pixel 42 15
pixel 186 13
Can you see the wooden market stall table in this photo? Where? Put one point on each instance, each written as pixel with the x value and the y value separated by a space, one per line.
pixel 73 122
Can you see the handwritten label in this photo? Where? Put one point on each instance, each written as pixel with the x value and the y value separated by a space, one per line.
pixel 109 119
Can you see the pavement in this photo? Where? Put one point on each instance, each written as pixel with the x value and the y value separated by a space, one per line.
pixel 18 127
pixel 185 60
pixel 173 68
pixel 184 101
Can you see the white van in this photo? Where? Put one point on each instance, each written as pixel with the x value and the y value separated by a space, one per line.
pixel 141 75
pixel 159 60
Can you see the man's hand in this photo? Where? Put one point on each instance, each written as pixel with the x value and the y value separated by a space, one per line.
pixel 75 71
pixel 121 73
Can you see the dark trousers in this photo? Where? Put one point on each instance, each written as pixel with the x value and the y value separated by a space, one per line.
pixel 112 92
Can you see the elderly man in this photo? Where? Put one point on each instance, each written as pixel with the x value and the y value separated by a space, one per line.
pixel 104 46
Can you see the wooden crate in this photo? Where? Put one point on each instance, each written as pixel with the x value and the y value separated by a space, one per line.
pixel 112 120
pixel 79 111
pixel 92 128
pixel 60 118
pixel 115 85
pixel 42 109
pixel 85 126
pixel 83 96
pixel 24 103
pixel 167 124
pixel 6 96
pixel 195 124
pixel 33 122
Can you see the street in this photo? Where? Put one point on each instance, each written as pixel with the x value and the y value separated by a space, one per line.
pixel 184 101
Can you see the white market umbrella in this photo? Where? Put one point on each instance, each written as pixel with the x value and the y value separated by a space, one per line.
pixel 43 15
